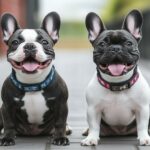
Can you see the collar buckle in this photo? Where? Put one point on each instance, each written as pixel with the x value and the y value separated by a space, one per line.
pixel 120 87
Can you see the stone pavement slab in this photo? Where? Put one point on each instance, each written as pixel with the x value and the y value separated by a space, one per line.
pixel 28 143
pixel 43 143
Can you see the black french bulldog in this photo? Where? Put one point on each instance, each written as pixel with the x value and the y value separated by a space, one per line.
pixel 34 95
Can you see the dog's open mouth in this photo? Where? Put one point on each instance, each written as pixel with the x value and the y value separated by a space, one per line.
pixel 116 69
pixel 30 65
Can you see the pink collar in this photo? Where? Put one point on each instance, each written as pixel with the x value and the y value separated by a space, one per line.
pixel 118 86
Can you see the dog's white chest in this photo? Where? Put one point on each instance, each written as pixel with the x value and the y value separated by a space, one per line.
pixel 35 106
pixel 117 110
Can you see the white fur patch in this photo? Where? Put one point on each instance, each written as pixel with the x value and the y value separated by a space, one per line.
pixel 17 55
pixel 29 35
pixel 16 99
pixel 51 98
pixel 40 55
pixel 35 106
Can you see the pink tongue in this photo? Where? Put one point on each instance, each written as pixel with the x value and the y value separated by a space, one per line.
pixel 30 66
pixel 116 69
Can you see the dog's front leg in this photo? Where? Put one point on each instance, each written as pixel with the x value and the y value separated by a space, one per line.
pixel 93 118
pixel 60 125
pixel 9 129
pixel 142 118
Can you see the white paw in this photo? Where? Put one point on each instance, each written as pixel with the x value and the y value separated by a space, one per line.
pixel 144 140
pixel 90 141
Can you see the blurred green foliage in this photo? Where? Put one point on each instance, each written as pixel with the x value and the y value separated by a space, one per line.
pixel 73 30
pixel 117 8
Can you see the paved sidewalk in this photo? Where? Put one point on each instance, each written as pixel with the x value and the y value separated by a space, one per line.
pixel 77 68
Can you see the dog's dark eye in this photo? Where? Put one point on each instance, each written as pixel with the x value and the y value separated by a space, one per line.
pixel 44 42
pixel 129 43
pixel 15 43
pixel 102 44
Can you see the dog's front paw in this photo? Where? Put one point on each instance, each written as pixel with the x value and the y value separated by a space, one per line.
pixel 90 141
pixel 7 141
pixel 61 141
pixel 144 141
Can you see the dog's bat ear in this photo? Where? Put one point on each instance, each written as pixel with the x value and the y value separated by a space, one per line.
pixel 94 26
pixel 51 24
pixel 133 24
pixel 9 26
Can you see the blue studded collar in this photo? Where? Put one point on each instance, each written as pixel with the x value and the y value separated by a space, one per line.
pixel 33 87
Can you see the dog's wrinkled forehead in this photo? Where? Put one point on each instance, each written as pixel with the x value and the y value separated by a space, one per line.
pixel 115 37
pixel 31 35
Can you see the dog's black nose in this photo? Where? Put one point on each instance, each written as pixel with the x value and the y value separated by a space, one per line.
pixel 116 48
pixel 30 49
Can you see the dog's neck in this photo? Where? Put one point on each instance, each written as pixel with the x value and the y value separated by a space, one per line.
pixel 33 78
pixel 118 79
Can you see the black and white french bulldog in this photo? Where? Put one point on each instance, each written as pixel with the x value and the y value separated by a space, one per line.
pixel 118 96
pixel 34 95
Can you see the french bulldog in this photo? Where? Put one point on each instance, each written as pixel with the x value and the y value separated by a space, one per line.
pixel 34 95
pixel 118 96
